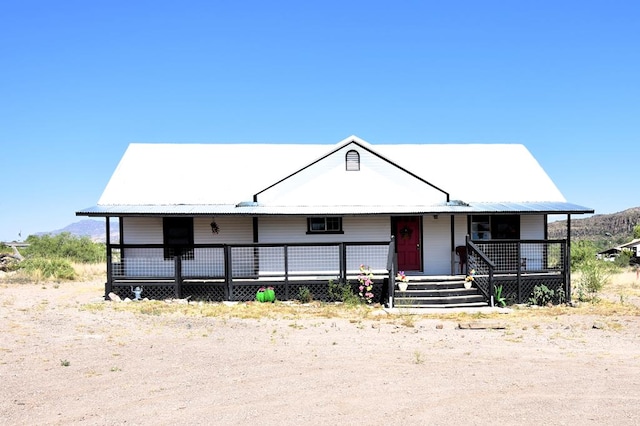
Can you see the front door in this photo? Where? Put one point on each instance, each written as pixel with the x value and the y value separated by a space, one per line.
pixel 407 234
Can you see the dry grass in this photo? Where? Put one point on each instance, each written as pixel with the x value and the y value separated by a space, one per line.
pixel 620 296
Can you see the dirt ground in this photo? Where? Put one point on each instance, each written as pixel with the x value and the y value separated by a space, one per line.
pixel 67 357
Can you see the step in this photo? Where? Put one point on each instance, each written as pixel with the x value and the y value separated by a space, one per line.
pixel 438 292
pixel 472 298
pixel 441 306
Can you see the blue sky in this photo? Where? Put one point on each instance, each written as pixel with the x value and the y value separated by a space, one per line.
pixel 80 80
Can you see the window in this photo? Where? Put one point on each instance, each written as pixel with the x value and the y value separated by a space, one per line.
pixel 499 227
pixel 506 227
pixel 324 225
pixel 353 161
pixel 178 237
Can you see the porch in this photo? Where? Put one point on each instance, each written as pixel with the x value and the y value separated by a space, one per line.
pixel 210 272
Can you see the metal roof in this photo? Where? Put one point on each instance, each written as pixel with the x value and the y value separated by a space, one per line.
pixel 257 210
pixel 224 179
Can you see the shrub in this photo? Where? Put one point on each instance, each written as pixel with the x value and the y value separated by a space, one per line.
pixel 593 277
pixel 623 259
pixel 543 295
pixel 582 252
pixel 342 292
pixel 305 295
pixel 48 268
pixel 67 246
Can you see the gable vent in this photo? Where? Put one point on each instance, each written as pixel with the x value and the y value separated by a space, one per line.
pixel 353 161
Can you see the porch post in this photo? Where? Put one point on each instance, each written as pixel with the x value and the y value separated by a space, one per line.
pixel 228 291
pixel 568 259
pixel 108 286
pixel 453 246
pixel 286 272
pixel 343 263
pixel 177 289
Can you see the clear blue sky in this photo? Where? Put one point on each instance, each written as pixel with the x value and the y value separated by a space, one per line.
pixel 80 80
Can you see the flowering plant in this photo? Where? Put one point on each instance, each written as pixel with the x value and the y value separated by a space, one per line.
pixel 470 276
pixel 366 283
pixel 402 277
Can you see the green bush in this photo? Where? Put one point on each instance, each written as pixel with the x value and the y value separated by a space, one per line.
pixel 623 258
pixel 342 292
pixel 66 246
pixel 594 275
pixel 581 252
pixel 543 295
pixel 305 295
pixel 49 268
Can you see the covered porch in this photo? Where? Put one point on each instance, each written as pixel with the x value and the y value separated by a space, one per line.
pixel 235 272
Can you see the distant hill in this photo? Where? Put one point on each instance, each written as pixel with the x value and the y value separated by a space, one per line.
pixel 605 229
pixel 94 229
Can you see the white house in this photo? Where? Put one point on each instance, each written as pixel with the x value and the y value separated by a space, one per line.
pixel 192 206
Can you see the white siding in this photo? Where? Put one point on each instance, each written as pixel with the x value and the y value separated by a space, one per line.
pixel 532 227
pixel 294 230
pixel 232 230
pixel 327 182
pixel 142 230
pixel 437 244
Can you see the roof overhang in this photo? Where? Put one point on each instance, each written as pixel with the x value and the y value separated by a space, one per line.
pixel 254 209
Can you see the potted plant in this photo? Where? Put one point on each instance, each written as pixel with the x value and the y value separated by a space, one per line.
pixel 402 280
pixel 468 280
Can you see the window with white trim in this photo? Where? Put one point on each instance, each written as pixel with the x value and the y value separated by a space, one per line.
pixel 324 225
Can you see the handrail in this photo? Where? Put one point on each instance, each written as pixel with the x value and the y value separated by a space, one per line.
pixel 484 257
pixel 391 267
pixel 484 263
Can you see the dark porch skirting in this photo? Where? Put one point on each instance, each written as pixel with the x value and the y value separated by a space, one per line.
pixel 216 291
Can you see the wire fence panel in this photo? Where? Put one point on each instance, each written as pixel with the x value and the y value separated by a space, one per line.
pixel 373 256
pixel 314 260
pixel 145 262
pixel 207 262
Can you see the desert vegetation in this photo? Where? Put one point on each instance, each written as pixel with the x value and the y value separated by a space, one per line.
pixel 54 258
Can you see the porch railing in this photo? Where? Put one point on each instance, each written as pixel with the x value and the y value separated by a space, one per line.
pixel 237 271
pixel 519 266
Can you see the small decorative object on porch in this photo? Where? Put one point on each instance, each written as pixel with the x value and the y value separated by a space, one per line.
pixel 366 284
pixel 214 227
pixel 137 292
pixel 266 294
pixel 402 280
pixel 468 280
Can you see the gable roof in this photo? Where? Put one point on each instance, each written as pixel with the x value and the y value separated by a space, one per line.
pixel 229 178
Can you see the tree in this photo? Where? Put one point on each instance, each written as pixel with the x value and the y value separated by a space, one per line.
pixel 636 232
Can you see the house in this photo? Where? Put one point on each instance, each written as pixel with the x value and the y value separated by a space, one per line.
pixel 217 221
pixel 610 254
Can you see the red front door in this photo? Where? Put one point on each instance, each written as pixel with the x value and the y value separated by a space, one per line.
pixel 408 243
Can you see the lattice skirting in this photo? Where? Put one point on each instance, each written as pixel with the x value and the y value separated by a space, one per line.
pixel 243 292
pixel 510 287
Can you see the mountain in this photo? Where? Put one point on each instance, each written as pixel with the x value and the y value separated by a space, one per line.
pixel 94 229
pixel 604 229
